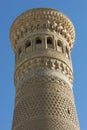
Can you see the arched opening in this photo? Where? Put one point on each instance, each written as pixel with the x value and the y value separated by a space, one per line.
pixel 59 43
pixel 27 44
pixel 38 40
pixel 49 40
pixel 59 46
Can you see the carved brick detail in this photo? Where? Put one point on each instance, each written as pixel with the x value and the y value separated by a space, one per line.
pixel 42 63
pixel 45 26
pixel 40 19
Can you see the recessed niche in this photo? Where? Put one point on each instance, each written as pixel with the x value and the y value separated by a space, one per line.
pixel 49 40
pixel 38 40
pixel 27 44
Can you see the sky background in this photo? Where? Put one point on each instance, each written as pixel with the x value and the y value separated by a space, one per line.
pixel 76 10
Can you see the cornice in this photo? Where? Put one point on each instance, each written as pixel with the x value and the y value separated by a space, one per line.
pixel 35 20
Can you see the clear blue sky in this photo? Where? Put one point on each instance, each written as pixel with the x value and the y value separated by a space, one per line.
pixel 76 11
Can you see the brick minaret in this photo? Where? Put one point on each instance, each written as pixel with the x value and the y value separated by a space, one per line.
pixel 42 40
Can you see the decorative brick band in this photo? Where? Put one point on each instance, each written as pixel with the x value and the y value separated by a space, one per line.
pixel 42 63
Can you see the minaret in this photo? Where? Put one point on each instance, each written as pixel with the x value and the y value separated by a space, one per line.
pixel 42 40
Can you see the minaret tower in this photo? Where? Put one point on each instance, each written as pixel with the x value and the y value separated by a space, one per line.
pixel 42 40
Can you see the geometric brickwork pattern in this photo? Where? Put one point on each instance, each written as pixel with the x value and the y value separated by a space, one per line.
pixel 42 40
pixel 45 97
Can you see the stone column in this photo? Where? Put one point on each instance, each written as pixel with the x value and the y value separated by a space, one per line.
pixel 42 40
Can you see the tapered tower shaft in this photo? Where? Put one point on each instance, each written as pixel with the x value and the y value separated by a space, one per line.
pixel 42 40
